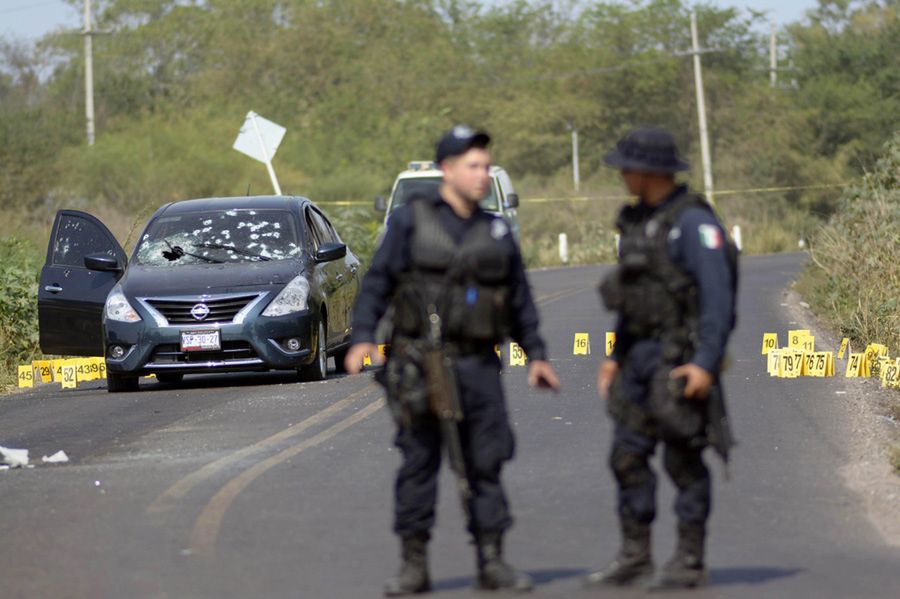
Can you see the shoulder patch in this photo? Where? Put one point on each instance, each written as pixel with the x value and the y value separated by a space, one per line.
pixel 710 236
pixel 499 228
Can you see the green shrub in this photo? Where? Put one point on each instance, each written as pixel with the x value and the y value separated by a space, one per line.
pixel 19 273
pixel 854 275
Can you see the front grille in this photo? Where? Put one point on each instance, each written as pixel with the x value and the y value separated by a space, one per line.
pixel 170 353
pixel 178 311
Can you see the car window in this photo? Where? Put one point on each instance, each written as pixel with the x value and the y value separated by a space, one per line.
pixel 323 231
pixel 328 227
pixel 408 189
pixel 219 236
pixel 76 238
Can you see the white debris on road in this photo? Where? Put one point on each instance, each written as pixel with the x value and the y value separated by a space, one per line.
pixel 59 457
pixel 14 458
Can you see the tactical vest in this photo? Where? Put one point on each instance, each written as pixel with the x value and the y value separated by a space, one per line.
pixel 657 299
pixel 466 284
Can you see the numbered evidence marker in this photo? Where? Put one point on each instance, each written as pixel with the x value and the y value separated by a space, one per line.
pixel 796 336
pixel 854 365
pixel 844 343
pixel 517 355
pixel 44 370
pixel 610 342
pixel 84 370
pixel 773 358
pixel 818 363
pixel 69 374
pixel 791 364
pixel 890 373
pixel 770 342
pixel 582 345
pixel 871 364
pixel 26 375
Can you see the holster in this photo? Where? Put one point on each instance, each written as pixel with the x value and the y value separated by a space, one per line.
pixel 403 378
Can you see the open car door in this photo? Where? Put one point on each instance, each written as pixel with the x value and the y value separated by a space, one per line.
pixel 84 261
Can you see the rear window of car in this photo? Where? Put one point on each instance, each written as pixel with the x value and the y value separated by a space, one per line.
pixel 219 236
pixel 408 189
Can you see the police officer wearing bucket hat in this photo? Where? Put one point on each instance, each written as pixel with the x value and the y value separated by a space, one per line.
pixel 444 263
pixel 674 292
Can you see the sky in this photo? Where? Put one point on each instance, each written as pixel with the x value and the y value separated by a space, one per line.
pixel 30 19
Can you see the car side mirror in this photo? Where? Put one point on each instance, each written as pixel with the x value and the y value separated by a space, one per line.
pixel 380 204
pixel 512 200
pixel 102 263
pixel 329 252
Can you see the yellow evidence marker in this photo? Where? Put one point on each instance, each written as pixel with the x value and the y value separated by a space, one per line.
pixel 890 374
pixel 69 375
pixel 582 345
pixel 44 369
pixel 517 355
pixel 383 351
pixel 367 360
pixel 818 363
pixel 796 336
pixel 610 342
pixel 770 342
pixel 854 365
pixel 791 364
pixel 844 343
pixel 773 358
pixel 872 366
pixel 26 375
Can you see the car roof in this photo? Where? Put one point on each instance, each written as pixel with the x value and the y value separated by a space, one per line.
pixel 431 173
pixel 237 203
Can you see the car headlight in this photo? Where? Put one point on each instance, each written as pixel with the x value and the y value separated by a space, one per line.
pixel 293 298
pixel 118 308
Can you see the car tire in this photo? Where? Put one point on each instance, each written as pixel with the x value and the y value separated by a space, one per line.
pixel 169 378
pixel 339 358
pixel 119 383
pixel 317 370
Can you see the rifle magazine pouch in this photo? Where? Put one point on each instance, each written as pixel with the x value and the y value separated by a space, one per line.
pixel 677 418
pixel 407 395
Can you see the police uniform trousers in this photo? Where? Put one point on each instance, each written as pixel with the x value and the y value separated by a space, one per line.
pixel 635 440
pixel 487 441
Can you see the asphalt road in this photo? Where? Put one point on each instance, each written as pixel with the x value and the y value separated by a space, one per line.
pixel 259 486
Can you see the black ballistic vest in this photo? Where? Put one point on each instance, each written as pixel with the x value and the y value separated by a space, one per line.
pixel 657 299
pixel 466 284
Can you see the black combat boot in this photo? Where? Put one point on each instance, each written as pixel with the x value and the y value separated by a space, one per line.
pixel 685 569
pixel 633 565
pixel 413 576
pixel 493 572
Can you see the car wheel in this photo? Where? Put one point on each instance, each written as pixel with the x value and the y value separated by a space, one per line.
pixel 169 378
pixel 318 369
pixel 119 383
pixel 339 358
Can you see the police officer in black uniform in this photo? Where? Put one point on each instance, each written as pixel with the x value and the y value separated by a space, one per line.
pixel 674 290
pixel 443 257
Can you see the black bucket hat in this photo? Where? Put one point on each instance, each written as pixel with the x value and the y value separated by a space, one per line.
pixel 648 150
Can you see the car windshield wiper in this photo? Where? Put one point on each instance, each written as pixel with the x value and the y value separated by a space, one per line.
pixel 219 246
pixel 176 252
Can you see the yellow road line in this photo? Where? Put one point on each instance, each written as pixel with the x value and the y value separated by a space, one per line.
pixel 164 502
pixel 209 522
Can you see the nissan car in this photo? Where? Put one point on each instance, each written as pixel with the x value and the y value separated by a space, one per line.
pixel 212 285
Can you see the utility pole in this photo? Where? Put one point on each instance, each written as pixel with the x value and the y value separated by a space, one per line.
pixel 773 58
pixel 701 114
pixel 575 174
pixel 88 73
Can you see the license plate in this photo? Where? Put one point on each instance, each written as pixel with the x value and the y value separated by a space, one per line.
pixel 200 341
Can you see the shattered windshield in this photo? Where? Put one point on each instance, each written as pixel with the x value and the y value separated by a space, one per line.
pixel 219 237
pixel 407 189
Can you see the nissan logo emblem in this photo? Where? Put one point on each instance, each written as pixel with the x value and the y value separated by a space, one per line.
pixel 200 311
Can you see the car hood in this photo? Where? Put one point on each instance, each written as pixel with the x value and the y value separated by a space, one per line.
pixel 146 281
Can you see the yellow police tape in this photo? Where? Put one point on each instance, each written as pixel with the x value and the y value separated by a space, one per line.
pixel 622 197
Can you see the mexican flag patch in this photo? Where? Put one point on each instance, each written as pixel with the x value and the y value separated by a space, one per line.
pixel 710 237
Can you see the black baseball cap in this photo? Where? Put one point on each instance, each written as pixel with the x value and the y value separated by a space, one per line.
pixel 459 140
